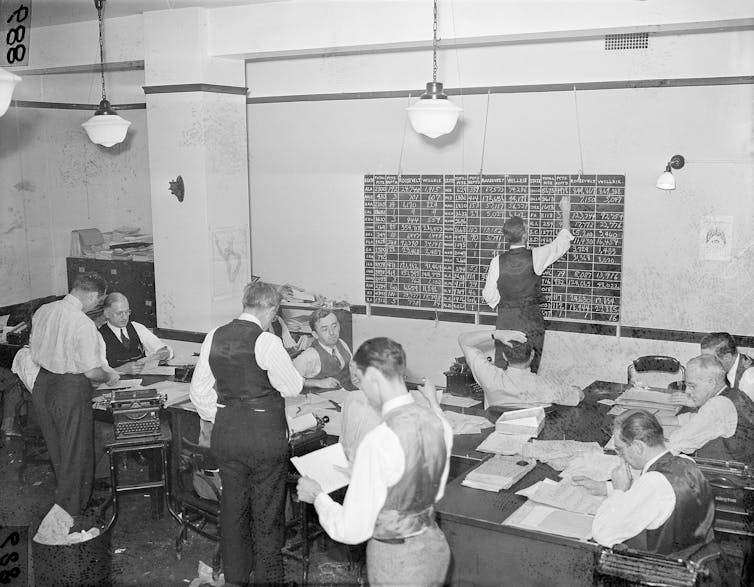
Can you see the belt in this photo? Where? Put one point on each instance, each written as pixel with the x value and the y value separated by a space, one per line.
pixel 391 540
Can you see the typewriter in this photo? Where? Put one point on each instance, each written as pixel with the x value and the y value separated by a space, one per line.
pixel 644 568
pixel 136 413
pixel 307 441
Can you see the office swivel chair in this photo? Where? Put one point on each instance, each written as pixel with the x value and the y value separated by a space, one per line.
pixel 658 364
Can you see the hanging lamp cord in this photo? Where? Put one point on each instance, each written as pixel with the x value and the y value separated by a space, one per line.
pixel 434 44
pixel 99 5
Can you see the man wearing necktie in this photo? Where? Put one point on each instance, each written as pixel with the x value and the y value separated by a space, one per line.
pixel 128 345
pixel 326 364
pixel 738 366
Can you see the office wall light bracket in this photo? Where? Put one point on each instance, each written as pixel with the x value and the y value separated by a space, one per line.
pixel 433 114
pixel 666 181
pixel 105 128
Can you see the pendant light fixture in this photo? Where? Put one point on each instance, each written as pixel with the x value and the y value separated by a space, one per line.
pixel 105 128
pixel 666 181
pixel 8 81
pixel 433 114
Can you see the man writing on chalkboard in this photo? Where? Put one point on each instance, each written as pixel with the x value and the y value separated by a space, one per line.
pixel 514 282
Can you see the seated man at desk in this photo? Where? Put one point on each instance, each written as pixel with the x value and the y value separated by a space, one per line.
pixel 739 374
pixel 128 345
pixel 721 413
pixel 516 384
pixel 668 510
pixel 325 364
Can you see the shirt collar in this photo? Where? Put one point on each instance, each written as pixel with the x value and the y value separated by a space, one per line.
pixel 250 318
pixel 651 462
pixel 116 329
pixel 518 246
pixel 722 389
pixel 397 402
pixel 74 301
pixel 734 368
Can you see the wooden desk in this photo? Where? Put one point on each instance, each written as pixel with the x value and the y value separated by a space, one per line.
pixel 486 553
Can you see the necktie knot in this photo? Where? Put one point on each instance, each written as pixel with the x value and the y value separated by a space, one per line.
pixel 124 339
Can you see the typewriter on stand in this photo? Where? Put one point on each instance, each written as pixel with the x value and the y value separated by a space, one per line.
pixel 136 412
pixel 309 440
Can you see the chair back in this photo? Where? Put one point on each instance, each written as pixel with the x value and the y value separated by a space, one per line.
pixel 657 364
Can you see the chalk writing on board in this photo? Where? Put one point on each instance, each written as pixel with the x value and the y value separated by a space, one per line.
pixel 429 239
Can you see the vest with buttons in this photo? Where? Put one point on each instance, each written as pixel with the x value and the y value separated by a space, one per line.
pixel 517 283
pixel 234 365
pixel 330 367
pixel 116 352
pixel 690 524
pixel 409 505
pixel 740 446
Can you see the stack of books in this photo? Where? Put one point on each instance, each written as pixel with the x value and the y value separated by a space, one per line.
pixel 499 472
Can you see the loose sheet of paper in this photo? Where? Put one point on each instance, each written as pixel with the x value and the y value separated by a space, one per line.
pixel 542 518
pixel 569 497
pixel 595 466
pixel 326 466
pixel 122 384
pixel 461 402
pixel 157 370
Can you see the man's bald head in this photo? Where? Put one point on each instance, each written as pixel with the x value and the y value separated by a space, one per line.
pixel 705 377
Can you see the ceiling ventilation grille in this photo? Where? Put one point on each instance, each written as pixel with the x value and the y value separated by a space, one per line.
pixel 626 41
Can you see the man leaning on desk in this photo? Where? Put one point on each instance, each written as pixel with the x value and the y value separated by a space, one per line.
pixel 128 345
pixel 326 363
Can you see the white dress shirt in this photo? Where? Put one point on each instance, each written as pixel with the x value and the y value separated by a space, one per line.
pixel 309 364
pixel 717 418
pixel 542 257
pixel 646 505
pixel 149 341
pixel 513 386
pixel 270 356
pixel 379 464
pixel 359 418
pixel 746 384
pixel 64 339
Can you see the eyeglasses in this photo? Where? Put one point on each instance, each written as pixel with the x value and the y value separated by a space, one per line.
pixel 122 313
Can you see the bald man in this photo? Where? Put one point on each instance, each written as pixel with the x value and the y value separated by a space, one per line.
pixel 128 345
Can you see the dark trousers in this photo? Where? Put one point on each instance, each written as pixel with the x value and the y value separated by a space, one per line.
pixel 527 319
pixel 63 407
pixel 251 447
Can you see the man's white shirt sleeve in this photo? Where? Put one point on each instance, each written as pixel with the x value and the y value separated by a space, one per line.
pixel 202 389
pixel 308 363
pixel 151 343
pixel 717 418
pixel 273 358
pixel 646 505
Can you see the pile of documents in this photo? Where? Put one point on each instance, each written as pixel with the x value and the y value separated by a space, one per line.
pixel 527 422
pixel 499 472
pixel 559 453
pixel 466 423
pixel 654 400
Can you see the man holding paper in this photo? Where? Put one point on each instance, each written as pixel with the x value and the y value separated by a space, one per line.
pixel 668 510
pixel 128 345
pixel 515 385
pixel 399 472
pixel 241 377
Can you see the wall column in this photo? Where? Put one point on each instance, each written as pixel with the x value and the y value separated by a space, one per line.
pixel 196 120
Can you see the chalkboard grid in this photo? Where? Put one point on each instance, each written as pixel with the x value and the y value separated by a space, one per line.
pixel 429 239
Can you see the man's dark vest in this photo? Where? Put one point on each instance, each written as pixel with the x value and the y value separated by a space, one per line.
pixel 330 367
pixel 233 362
pixel 117 353
pixel 409 505
pixel 740 446
pixel 744 363
pixel 690 524
pixel 517 283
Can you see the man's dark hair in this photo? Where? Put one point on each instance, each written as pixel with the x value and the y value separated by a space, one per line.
pixel 384 354
pixel 517 353
pixel 722 342
pixel 513 229
pixel 90 282
pixel 639 425
pixel 318 314
pixel 261 295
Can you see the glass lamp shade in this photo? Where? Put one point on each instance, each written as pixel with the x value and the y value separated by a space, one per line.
pixel 8 81
pixel 433 115
pixel 666 181
pixel 106 129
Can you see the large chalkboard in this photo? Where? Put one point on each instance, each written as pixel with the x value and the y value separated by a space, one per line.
pixel 429 239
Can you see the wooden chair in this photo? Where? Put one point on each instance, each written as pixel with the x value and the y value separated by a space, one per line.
pixel 657 364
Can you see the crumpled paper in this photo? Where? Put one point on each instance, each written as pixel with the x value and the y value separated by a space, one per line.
pixel 204 573
pixel 55 529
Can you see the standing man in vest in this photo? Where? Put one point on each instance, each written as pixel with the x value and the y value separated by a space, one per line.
pixel 668 510
pixel 65 344
pixel 514 282
pixel 128 345
pixel 324 365
pixel 399 472
pixel 737 365
pixel 239 383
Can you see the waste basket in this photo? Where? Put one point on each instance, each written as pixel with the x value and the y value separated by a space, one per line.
pixel 74 565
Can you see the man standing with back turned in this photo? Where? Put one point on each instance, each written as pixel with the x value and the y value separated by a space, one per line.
pixel 65 344
pixel 241 377
pixel 514 282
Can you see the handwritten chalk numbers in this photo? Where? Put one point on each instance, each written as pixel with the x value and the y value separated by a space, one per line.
pixel 13 560
pixel 17 27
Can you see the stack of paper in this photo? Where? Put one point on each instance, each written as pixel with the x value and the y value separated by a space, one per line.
pixel 654 400
pixel 503 444
pixel 499 472
pixel 542 518
pixel 544 450
pixel 327 466
pixel 525 422
pixel 466 423
pixel 593 465
pixel 567 496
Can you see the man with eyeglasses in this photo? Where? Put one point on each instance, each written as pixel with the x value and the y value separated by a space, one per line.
pixel 127 345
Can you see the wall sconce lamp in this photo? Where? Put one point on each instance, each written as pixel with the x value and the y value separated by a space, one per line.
pixel 433 114
pixel 105 128
pixel 666 181
pixel 8 81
